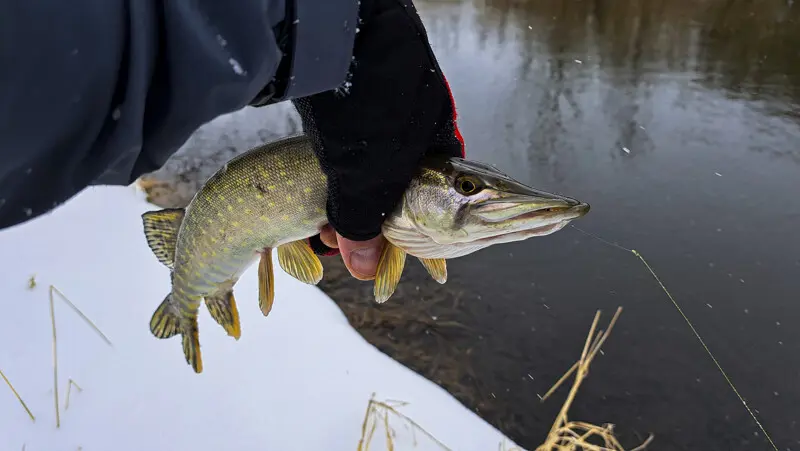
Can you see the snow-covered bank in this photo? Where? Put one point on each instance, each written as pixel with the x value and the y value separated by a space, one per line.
pixel 299 379
pixel 215 143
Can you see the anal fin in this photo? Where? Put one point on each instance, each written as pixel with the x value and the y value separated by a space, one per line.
pixel 436 267
pixel 390 268
pixel 299 261
pixel 266 282
pixel 222 307
pixel 161 231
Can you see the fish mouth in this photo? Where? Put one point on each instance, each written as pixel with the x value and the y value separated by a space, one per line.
pixel 521 235
pixel 536 223
pixel 573 212
pixel 521 209
pixel 517 218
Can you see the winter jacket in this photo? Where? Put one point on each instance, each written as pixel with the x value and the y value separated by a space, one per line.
pixel 99 92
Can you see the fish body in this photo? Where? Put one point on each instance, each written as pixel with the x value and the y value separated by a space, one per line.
pixel 274 196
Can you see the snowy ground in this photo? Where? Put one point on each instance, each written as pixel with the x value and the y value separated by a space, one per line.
pixel 299 379
pixel 217 142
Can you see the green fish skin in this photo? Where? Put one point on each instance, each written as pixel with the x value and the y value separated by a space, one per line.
pixel 273 197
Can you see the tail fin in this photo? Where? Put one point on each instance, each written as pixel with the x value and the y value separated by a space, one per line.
pixel 191 347
pixel 165 322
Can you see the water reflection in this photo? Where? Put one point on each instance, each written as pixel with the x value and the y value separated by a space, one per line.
pixel 543 70
pixel 678 121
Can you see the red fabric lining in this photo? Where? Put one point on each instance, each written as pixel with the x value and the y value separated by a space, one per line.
pixel 329 252
pixel 455 117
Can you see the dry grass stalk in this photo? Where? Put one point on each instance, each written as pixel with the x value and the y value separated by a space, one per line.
pixel 378 411
pixel 79 312
pixel 52 290
pixel 568 435
pixel 70 384
pixel 55 357
pixel 19 398
pixel 691 326
pixel 565 435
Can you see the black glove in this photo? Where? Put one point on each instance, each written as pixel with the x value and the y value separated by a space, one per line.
pixel 371 133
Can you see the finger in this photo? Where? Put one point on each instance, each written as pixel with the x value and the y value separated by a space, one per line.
pixel 328 236
pixel 361 257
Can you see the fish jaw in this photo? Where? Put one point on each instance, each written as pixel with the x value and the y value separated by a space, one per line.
pixel 524 220
pixel 404 234
pixel 457 207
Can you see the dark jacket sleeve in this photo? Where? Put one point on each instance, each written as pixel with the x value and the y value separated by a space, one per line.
pixel 372 132
pixel 102 91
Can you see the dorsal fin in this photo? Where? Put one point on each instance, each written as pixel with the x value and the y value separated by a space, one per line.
pixel 161 230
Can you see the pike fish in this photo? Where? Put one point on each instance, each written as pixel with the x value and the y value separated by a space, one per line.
pixel 273 197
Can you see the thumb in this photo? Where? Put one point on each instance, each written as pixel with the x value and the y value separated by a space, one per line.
pixel 361 257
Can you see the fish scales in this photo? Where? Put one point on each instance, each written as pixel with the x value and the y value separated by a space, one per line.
pixel 263 198
pixel 274 196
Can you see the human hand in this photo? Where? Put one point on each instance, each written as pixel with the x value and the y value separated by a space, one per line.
pixel 360 257
pixel 371 136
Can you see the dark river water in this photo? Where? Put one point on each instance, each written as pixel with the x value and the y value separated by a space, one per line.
pixel 679 122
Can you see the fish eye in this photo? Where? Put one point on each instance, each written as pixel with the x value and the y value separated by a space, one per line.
pixel 468 185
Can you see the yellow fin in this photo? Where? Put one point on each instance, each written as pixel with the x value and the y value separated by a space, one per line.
pixel 266 282
pixel 437 268
pixel 300 262
pixel 165 322
pixel 161 230
pixel 191 348
pixel 390 268
pixel 222 307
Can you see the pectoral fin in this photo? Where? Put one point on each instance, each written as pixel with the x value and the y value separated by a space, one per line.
pixel 299 260
pixel 437 268
pixel 266 282
pixel 222 307
pixel 390 268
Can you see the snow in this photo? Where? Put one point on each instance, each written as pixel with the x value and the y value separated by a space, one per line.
pixel 236 66
pixel 299 379
pixel 221 139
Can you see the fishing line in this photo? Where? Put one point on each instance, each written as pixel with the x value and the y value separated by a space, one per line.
pixel 691 326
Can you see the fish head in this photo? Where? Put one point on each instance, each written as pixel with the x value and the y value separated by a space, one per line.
pixel 454 207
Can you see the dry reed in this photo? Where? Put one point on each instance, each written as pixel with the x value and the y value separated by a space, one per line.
pixel 52 290
pixel 378 412
pixel 19 398
pixel 70 384
pixel 565 435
